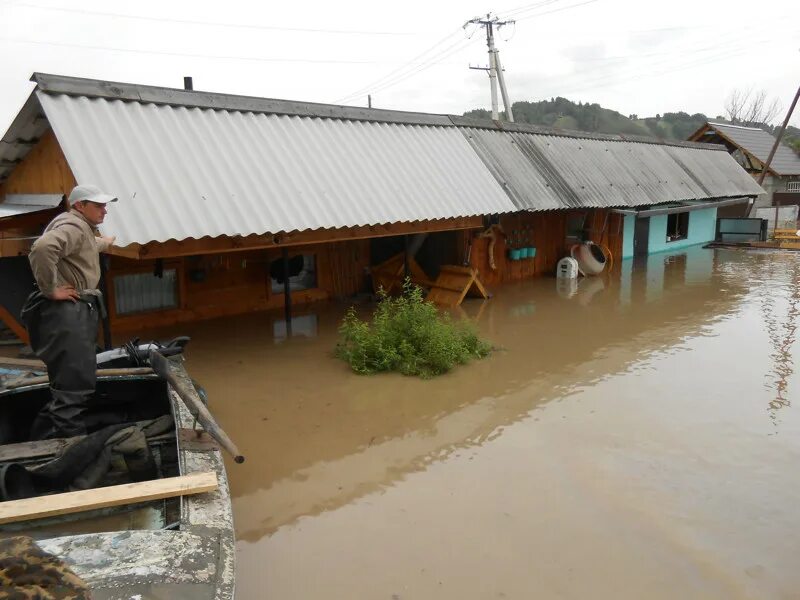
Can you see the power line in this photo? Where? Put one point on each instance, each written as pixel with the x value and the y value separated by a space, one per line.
pixel 549 12
pixel 391 74
pixel 208 23
pixel 400 77
pixel 189 55
pixel 604 75
pixel 646 71
pixel 527 7
pixel 425 66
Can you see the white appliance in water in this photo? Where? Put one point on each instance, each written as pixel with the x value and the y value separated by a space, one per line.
pixel 567 268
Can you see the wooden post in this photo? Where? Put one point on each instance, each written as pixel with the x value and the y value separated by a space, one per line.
pixel 105 314
pixel 406 270
pixel 775 229
pixel 287 293
pixel 15 326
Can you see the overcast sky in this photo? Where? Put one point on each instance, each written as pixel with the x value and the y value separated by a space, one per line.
pixel 631 56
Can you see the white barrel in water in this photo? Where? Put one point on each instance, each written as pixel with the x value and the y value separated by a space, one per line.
pixel 567 268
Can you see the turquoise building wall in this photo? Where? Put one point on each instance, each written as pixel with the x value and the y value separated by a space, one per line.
pixel 627 236
pixel 702 229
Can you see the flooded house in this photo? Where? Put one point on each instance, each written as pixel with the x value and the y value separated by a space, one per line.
pixel 232 204
pixel 750 147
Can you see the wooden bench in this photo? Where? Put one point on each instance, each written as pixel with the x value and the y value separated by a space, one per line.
pixel 786 234
pixel 390 274
pixel 454 284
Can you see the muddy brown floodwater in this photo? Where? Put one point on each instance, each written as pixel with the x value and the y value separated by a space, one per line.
pixel 634 438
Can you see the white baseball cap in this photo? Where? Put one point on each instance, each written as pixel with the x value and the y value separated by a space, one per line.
pixel 89 192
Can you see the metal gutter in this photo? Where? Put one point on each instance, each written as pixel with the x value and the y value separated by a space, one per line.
pixel 688 207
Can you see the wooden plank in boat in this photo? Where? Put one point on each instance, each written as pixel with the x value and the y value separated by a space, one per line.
pixel 32 450
pixel 122 372
pixel 30 363
pixel 21 451
pixel 115 495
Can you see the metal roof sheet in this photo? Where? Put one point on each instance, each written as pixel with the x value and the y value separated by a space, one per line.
pixel 190 172
pixel 759 143
pixel 20 204
pixel 24 131
pixel 545 171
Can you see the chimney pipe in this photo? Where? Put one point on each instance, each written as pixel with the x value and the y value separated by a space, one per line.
pixel 187 83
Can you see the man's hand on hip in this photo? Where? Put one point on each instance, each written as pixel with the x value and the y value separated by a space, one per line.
pixel 108 239
pixel 65 292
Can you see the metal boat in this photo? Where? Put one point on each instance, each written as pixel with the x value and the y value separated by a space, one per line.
pixel 178 547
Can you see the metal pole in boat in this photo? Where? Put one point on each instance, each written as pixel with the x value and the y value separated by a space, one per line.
pixel 287 292
pixel 180 381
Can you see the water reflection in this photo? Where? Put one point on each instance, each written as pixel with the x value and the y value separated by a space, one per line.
pixel 780 307
pixel 332 436
pixel 649 352
pixel 303 325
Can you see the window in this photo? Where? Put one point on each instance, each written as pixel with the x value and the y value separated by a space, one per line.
pixel 142 292
pixel 575 226
pixel 677 226
pixel 302 273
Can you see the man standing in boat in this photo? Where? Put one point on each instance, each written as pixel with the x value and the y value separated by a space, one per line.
pixel 62 316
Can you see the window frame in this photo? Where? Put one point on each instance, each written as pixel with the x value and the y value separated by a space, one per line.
pixel 113 274
pixel 679 217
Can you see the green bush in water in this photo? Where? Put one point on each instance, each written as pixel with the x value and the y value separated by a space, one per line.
pixel 409 335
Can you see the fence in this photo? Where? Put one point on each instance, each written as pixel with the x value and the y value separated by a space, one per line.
pixel 741 230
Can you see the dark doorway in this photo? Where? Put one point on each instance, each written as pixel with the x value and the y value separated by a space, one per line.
pixel 641 235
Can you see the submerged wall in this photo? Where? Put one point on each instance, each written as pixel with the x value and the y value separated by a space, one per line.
pixel 702 229
pixel 627 236
pixel 216 285
pixel 548 233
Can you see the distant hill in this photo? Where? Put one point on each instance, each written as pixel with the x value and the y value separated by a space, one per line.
pixel 565 114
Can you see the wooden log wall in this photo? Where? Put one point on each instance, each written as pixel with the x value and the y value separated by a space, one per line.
pixel 231 283
pixel 545 231
pixel 43 171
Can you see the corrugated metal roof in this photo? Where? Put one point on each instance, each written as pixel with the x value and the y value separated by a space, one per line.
pixel 26 129
pixel 190 164
pixel 20 204
pixel 188 172
pixel 759 143
pixel 545 171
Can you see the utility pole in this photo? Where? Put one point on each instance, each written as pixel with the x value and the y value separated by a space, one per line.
pixel 765 166
pixel 494 68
